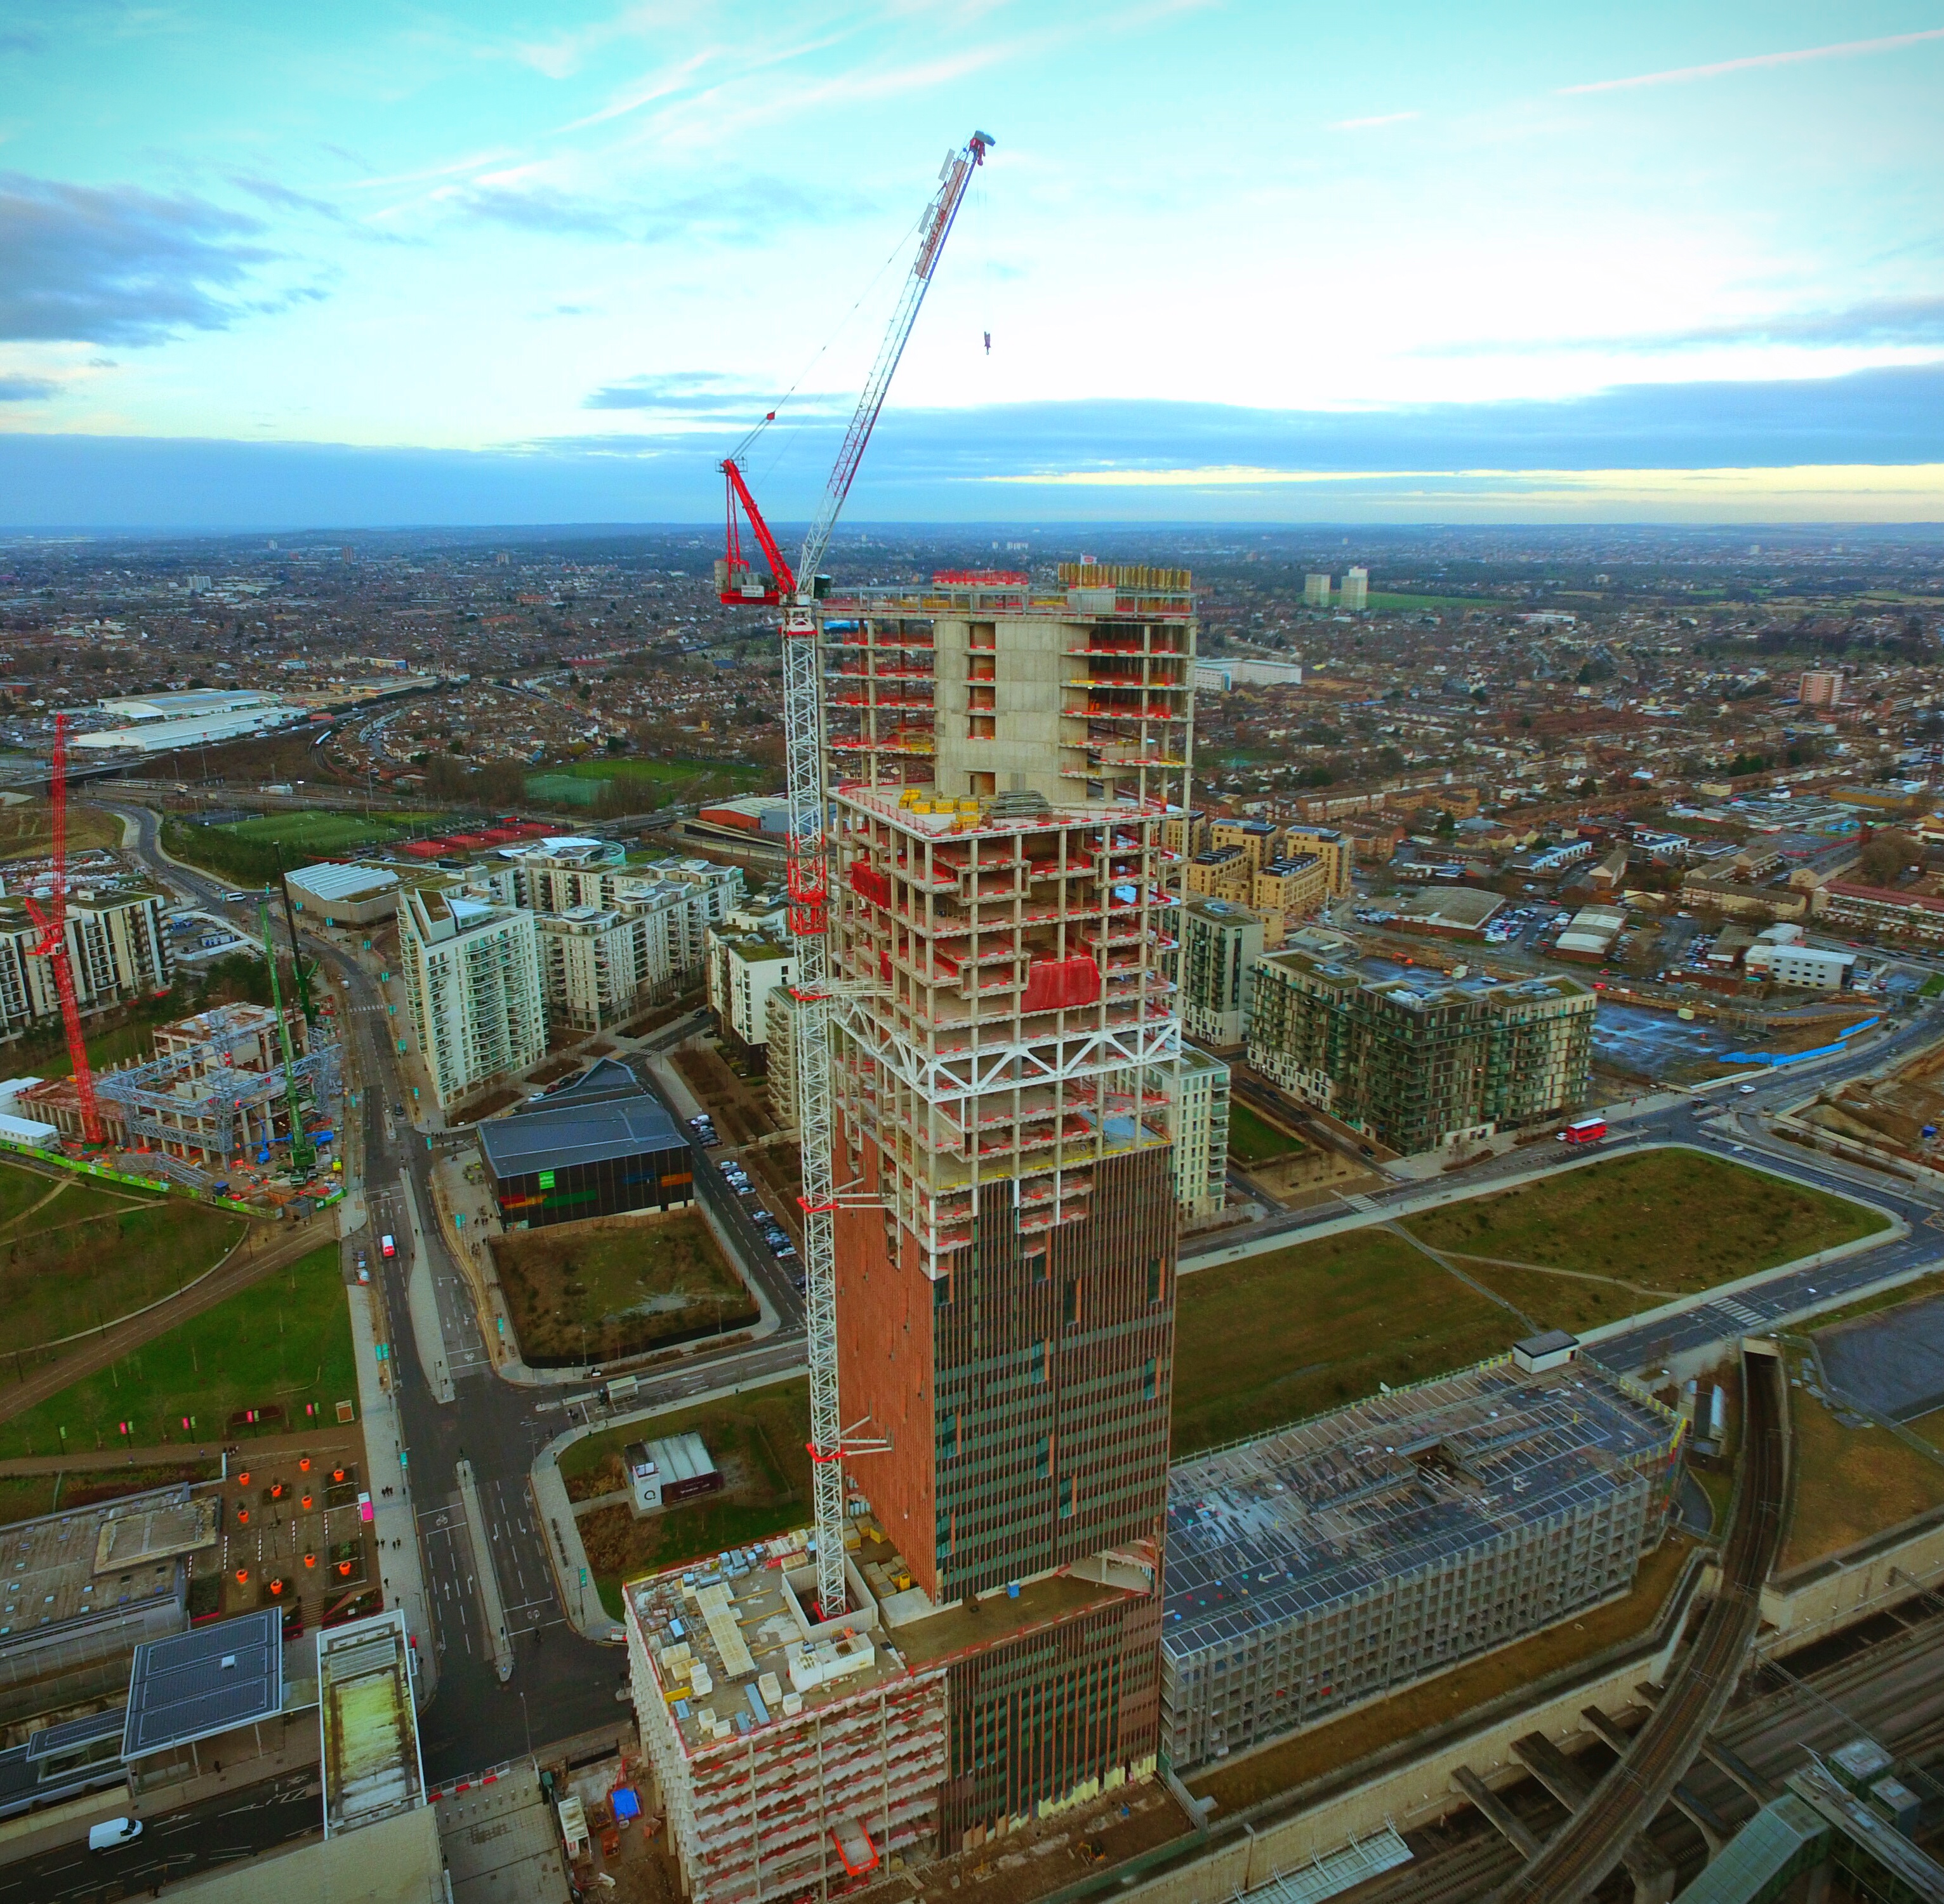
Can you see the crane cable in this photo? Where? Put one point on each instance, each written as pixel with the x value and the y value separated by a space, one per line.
pixel 788 439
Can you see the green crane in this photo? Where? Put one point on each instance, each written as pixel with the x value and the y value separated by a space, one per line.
pixel 301 1154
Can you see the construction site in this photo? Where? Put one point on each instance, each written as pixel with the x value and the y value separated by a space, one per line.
pixel 1341 1559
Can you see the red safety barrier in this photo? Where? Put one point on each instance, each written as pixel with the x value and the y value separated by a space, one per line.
pixel 868 883
pixel 1058 984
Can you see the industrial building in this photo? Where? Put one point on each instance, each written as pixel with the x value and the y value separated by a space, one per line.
pixel 344 895
pixel 472 976
pixel 600 1146
pixel 161 724
pixel 1220 943
pixel 1343 1559
pixel 1415 1060
pixel 1005 764
pixel 675 1469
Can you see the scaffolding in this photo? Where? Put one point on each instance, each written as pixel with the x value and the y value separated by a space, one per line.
pixel 193 1099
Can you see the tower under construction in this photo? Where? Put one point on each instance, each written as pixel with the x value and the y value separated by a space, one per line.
pixel 1002 763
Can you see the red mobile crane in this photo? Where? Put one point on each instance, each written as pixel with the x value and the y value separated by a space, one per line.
pixel 740 583
pixel 51 922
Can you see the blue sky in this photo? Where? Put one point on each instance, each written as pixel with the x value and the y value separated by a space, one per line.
pixel 379 263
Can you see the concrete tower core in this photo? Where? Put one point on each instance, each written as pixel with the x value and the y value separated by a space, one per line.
pixel 1004 763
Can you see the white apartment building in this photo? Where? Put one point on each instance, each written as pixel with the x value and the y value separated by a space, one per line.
pixel 117 949
pixel 744 968
pixel 473 984
pixel 780 1014
pixel 1220 943
pixel 1316 592
pixel 1356 589
pixel 1199 1120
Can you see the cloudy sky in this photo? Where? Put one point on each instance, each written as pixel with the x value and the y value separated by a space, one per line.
pixel 378 263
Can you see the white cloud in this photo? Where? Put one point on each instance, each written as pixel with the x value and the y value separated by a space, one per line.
pixel 1681 75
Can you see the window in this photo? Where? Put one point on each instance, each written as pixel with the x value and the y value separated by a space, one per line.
pixel 1036 1266
pixel 1154 1279
pixel 1069 1304
pixel 1149 1380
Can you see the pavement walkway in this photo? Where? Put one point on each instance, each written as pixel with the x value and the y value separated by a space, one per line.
pixel 394 1518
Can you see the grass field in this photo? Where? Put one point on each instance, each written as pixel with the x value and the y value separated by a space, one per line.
pixel 1436 1701
pixel 1254 1140
pixel 758 1439
pixel 27 829
pixel 1635 1231
pixel 322 832
pixel 75 1253
pixel 284 1342
pixel 1932 987
pixel 1852 1482
pixel 1288 1333
pixel 626 784
pixel 596 1294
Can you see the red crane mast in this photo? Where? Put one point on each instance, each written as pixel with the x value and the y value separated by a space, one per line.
pixel 50 920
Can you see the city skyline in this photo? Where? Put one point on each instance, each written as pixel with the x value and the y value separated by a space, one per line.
pixel 417 268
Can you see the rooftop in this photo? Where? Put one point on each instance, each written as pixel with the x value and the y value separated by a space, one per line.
pixel 331 879
pixel 211 1680
pixel 599 1116
pixel 79 1566
pixel 372 1768
pixel 1280 1527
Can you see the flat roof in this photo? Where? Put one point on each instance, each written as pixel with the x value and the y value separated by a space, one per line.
pixel 331 879
pixel 96 1561
pixel 211 1680
pixel 588 1123
pixel 1283 1527
pixel 372 1766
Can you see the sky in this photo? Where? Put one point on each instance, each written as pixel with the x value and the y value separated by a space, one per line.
pixel 374 264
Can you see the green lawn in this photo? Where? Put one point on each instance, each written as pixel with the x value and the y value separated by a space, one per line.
pixel 1252 1139
pixel 1287 1334
pixel 76 1253
pixel 643 784
pixel 1932 987
pixel 758 1441
pixel 322 831
pixel 284 1342
pixel 1664 1223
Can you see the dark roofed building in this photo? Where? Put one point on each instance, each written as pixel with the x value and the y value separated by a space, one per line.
pixel 200 1684
pixel 599 1147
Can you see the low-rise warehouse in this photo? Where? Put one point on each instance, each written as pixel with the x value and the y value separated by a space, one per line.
pixel 599 1147
pixel 1342 1558
pixel 345 895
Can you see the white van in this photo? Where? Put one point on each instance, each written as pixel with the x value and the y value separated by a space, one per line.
pixel 115 1833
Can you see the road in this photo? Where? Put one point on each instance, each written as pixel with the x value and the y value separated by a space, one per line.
pixel 562 1685
pixel 205 1837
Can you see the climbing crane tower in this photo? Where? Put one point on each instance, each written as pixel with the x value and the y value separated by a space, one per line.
pixel 739 583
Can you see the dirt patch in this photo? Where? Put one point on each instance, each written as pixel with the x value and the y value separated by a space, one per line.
pixel 491 1105
pixel 594 1293
pixel 759 1444
pixel 740 1107
pixel 83 1489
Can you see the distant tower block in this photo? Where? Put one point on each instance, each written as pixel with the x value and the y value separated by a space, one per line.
pixel 1316 592
pixel 1357 588
pixel 1821 687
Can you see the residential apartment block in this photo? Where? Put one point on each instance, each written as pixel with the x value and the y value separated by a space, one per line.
pixel 1220 943
pixel 1414 1059
pixel 745 966
pixel 1199 1122
pixel 473 986
pixel 117 948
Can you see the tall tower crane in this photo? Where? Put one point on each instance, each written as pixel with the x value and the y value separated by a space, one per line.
pixel 50 920
pixel 739 583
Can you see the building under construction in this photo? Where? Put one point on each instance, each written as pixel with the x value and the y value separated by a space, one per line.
pixel 216 1090
pixel 1342 1558
pixel 1003 761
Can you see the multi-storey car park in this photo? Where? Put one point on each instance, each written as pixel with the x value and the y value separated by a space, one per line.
pixel 1340 1559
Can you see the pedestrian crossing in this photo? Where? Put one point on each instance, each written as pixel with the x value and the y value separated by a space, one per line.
pixel 1740 1313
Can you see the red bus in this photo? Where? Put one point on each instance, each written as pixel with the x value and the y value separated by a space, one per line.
pixel 1587 1130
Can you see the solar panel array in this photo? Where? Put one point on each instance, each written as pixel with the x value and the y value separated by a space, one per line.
pixel 210 1680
